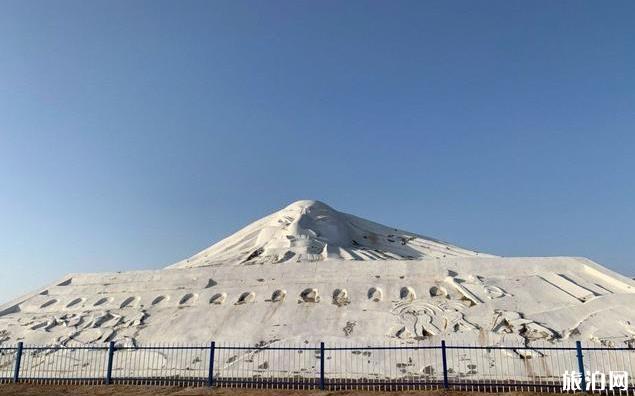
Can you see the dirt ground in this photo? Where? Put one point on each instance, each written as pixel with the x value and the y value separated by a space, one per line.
pixel 138 390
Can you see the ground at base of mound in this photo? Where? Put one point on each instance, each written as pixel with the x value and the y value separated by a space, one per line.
pixel 138 390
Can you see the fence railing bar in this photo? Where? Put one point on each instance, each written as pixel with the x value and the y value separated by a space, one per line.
pixel 29 378
pixel 398 384
pixel 18 362
pixel 177 379
pixel 61 348
pixel 322 353
pixel 111 353
pixel 344 366
pixel 444 362
pixel 210 373
pixel 580 357
pixel 271 381
pixel 375 348
pixel 167 348
pixel 494 384
pixel 254 348
pixel 469 347
pixel 605 349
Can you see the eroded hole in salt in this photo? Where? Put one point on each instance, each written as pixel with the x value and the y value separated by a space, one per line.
pixel 288 255
pixel 128 302
pixel 310 295
pixel 188 298
pixel 407 293
pixel 66 282
pixel 102 301
pixel 436 291
pixel 158 300
pixel 255 254
pixel 340 297
pixel 375 294
pixel 246 297
pixel 278 295
pixel 218 298
pixel 39 325
pixel 211 283
pixel 48 303
pixel 74 302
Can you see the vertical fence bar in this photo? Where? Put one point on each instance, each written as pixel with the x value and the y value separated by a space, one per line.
pixel 111 354
pixel 444 360
pixel 210 374
pixel 578 347
pixel 321 366
pixel 18 360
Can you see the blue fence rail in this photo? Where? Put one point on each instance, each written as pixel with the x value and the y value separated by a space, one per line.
pixel 539 367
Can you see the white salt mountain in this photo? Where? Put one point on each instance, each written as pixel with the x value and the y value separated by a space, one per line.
pixel 313 231
pixel 311 273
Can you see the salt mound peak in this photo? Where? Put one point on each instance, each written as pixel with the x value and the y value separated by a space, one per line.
pixel 310 230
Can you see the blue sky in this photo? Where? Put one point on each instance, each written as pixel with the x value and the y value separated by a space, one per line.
pixel 133 134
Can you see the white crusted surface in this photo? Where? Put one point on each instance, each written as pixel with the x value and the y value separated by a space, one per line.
pixel 222 294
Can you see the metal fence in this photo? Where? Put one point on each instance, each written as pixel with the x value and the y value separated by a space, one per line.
pixel 392 366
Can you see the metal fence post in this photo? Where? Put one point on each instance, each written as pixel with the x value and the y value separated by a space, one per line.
pixel 18 361
pixel 111 354
pixel 578 347
pixel 210 374
pixel 444 359
pixel 321 366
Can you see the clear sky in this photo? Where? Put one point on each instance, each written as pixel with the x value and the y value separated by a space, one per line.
pixel 133 134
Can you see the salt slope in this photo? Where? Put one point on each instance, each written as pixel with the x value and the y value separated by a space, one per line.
pixel 310 230
pixel 482 298
pixel 486 300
